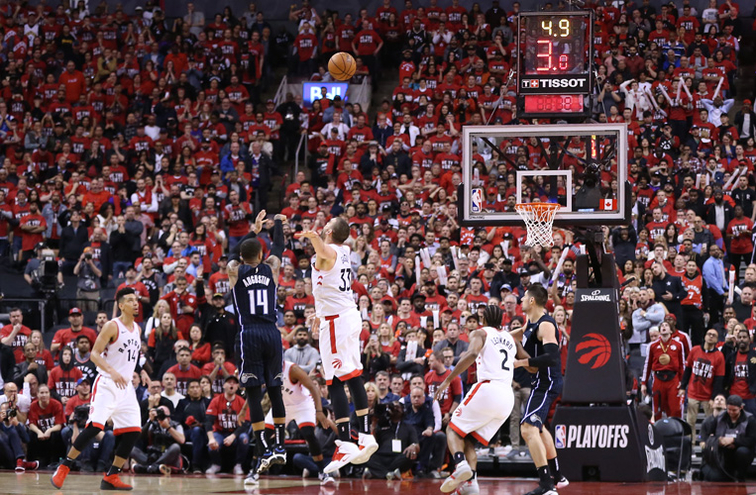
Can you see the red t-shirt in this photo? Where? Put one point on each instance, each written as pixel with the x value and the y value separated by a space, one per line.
pixel 65 336
pixel 740 230
pixel 226 417
pixel 433 380
pixel 75 402
pixel 29 240
pixel 64 382
pixel 219 378
pixel 183 376
pixel 706 366
pixel 22 337
pixel 48 417
pixel 739 384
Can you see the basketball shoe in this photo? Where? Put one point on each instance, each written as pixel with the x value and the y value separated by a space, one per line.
pixel 462 472
pixel 345 453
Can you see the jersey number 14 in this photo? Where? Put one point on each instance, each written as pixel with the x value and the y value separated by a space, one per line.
pixel 261 299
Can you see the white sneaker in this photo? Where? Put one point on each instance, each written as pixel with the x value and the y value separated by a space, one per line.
pixel 305 473
pixel 367 446
pixel 562 483
pixel 396 474
pixel 468 488
pixel 238 469
pixel 252 478
pixel 326 479
pixel 462 472
pixel 344 454
pixel 214 469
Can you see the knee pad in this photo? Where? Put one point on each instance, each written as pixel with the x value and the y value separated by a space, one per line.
pixel 126 443
pixel 85 437
pixel 276 402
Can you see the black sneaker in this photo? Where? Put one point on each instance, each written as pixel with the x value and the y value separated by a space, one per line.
pixel 270 458
pixel 543 491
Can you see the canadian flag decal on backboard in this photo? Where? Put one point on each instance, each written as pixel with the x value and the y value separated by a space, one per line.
pixel 608 204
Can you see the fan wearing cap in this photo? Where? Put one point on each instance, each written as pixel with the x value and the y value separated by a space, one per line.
pixel 65 336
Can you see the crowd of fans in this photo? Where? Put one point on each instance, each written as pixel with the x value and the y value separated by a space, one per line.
pixel 138 153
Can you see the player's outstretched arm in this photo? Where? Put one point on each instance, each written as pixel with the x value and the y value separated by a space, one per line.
pixel 477 341
pixel 325 255
pixel 108 334
pixel 277 248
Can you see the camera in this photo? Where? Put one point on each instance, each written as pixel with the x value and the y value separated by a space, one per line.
pixel 80 415
pixel 11 413
pixel 88 256
pixel 160 414
pixel 385 414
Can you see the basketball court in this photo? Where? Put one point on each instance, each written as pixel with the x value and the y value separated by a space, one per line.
pixel 39 483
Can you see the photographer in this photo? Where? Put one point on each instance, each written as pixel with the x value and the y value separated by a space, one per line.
pixel 34 272
pixel 398 446
pixel 12 434
pixel 728 441
pixel 89 272
pixel 588 196
pixel 162 438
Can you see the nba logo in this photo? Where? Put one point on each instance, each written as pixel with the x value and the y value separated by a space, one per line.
pixel 560 437
pixel 477 200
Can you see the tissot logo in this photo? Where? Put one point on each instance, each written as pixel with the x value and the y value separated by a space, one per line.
pixel 555 83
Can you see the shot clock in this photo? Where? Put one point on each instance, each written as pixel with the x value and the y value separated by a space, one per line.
pixel 554 72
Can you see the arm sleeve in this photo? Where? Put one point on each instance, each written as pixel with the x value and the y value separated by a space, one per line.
pixel 686 377
pixel 437 419
pixel 548 358
pixel 278 240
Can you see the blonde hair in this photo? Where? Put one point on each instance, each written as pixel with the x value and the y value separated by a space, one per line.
pixel 158 305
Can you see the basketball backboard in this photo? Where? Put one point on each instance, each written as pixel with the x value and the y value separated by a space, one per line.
pixel 583 167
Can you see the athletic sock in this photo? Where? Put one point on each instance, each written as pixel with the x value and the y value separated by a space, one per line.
pixel 345 433
pixel 554 468
pixel 280 432
pixel 545 477
pixel 475 473
pixel 68 462
pixel 113 470
pixel 364 422
pixel 260 440
pixel 459 457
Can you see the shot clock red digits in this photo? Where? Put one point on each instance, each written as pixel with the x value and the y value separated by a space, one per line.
pixel 553 103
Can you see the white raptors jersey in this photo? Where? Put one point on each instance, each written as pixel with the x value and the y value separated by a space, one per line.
pixel 332 289
pixel 294 394
pixel 496 360
pixel 123 353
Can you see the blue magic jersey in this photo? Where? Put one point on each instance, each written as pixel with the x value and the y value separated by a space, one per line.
pixel 255 295
pixel 545 376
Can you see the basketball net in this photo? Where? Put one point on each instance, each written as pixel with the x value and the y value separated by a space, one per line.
pixel 539 219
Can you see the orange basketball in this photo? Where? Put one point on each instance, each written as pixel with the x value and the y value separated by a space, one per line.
pixel 342 66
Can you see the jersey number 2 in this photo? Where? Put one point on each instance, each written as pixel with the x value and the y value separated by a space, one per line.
pixel 346 279
pixel 262 301
pixel 504 361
